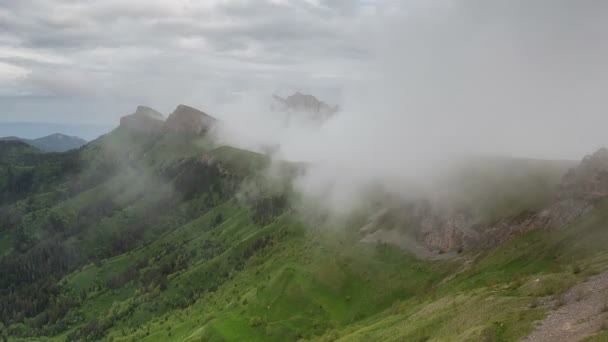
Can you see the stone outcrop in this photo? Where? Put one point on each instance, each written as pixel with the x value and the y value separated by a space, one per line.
pixel 189 120
pixel 304 104
pixel 588 181
pixel 145 119
pixel 425 226
pixel 445 229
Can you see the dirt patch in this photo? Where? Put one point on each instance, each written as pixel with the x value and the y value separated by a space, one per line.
pixel 582 312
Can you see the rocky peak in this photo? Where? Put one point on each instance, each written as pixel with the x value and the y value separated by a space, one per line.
pixel 189 120
pixel 305 103
pixel 589 180
pixel 149 112
pixel 145 119
pixel 579 191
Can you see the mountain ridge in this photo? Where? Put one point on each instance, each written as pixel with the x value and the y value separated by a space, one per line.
pixel 56 142
pixel 166 236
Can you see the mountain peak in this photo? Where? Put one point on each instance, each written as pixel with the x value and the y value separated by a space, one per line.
pixel 145 119
pixel 308 104
pixel 189 120
pixel 150 112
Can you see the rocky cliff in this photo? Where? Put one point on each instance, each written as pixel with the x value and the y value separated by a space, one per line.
pixel 145 119
pixel 439 228
pixel 189 120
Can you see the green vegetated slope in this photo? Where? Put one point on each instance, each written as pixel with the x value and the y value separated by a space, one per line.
pixel 161 237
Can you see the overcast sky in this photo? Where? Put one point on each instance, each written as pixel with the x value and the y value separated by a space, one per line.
pixel 92 61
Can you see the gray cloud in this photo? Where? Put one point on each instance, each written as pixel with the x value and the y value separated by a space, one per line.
pixel 164 51
pixel 448 80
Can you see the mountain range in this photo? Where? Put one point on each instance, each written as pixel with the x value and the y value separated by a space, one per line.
pixel 33 130
pixel 153 232
pixel 56 142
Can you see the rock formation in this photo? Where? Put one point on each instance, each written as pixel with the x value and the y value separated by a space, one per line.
pixel 444 229
pixel 303 104
pixel 145 119
pixel 189 120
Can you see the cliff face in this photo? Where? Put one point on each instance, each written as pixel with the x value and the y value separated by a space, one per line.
pixel 439 228
pixel 145 119
pixel 184 119
pixel 189 120
pixel 588 181
pixel 579 190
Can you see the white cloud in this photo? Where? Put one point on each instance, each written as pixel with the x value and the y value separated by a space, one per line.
pixel 164 52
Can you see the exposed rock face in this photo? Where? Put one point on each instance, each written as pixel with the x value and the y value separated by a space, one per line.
pixel 316 110
pixel 189 120
pixel 145 119
pixel 580 188
pixel 423 226
pixel 588 181
pixel 438 228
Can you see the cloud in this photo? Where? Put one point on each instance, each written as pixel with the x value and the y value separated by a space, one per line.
pixel 450 80
pixel 163 52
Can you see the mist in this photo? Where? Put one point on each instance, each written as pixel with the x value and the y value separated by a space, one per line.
pixel 449 80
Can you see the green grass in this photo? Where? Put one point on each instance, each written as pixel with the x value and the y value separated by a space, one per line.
pixel 205 269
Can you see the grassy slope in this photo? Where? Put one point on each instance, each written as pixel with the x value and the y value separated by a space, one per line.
pixel 499 296
pixel 323 285
pixel 241 280
pixel 297 288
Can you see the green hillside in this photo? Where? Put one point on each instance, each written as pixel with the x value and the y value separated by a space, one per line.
pixel 166 237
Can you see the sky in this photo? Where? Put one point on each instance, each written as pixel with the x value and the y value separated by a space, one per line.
pixel 93 61
pixel 417 79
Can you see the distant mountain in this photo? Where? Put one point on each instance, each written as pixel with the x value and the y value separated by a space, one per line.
pixel 52 143
pixel 315 109
pixel 184 119
pixel 33 130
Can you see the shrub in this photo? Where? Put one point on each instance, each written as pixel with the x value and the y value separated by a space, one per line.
pixel 256 321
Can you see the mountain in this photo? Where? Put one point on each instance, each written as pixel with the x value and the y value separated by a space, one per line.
pixel 145 119
pixel 183 119
pixel 52 143
pixel 154 233
pixel 33 130
pixel 189 120
pixel 305 105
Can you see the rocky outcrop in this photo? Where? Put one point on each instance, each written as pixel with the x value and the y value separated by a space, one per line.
pixel 189 120
pixel 304 104
pixel 145 119
pixel 444 229
pixel 588 181
pixel 579 190
pixel 433 228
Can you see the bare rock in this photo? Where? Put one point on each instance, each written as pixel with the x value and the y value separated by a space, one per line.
pixel 189 120
pixel 305 104
pixel 145 119
pixel 589 180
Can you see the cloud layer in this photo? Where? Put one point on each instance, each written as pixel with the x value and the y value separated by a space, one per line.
pixel 164 52
pixel 451 79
